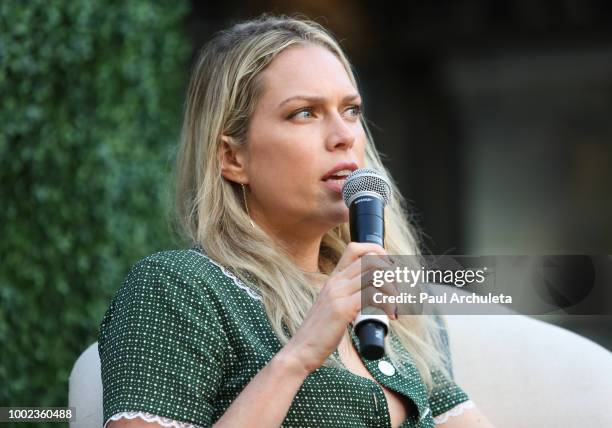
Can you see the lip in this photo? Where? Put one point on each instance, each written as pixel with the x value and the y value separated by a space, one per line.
pixel 334 186
pixel 352 166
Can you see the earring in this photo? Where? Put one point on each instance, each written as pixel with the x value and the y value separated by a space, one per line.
pixel 245 204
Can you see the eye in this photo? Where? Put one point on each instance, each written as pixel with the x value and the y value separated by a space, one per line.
pixel 302 113
pixel 356 110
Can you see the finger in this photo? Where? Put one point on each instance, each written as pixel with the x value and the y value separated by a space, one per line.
pixel 371 278
pixel 366 262
pixel 367 297
pixel 374 276
pixel 354 251
pixel 363 283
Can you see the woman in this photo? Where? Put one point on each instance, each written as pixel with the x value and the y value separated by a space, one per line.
pixel 250 327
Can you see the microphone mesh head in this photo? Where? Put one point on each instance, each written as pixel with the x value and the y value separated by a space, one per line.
pixel 366 181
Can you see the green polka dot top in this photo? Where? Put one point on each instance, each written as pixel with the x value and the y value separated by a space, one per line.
pixel 182 337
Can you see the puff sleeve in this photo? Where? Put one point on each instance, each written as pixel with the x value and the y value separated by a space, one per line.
pixel 162 347
pixel 447 398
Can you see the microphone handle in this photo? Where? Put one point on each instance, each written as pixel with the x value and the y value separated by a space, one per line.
pixel 367 220
pixel 366 217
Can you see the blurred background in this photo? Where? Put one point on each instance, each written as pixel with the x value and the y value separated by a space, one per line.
pixel 494 118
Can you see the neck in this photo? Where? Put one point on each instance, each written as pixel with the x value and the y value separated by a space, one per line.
pixel 304 250
pixel 302 247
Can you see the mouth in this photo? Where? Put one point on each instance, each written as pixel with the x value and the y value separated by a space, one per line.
pixel 334 178
pixel 337 179
pixel 340 171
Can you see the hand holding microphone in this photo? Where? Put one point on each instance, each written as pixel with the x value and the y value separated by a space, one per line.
pixel 340 300
pixel 337 305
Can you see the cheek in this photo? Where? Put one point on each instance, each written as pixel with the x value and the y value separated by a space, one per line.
pixel 284 168
pixel 359 149
pixel 287 156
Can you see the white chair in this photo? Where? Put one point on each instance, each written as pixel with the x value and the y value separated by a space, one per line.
pixel 521 372
pixel 85 389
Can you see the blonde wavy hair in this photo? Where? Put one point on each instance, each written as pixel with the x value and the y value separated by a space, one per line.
pixel 223 91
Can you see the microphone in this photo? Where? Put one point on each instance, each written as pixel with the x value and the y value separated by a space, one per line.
pixel 365 193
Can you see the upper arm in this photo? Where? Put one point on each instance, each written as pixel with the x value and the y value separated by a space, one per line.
pixel 448 402
pixel 468 418
pixel 162 348
pixel 133 423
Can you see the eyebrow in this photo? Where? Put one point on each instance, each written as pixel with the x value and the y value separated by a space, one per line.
pixel 316 99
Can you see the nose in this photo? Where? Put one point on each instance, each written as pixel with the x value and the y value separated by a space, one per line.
pixel 341 135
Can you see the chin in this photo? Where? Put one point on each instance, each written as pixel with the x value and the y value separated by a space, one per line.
pixel 340 217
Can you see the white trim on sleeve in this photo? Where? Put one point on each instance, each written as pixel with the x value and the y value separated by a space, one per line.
pixel 148 417
pixel 455 411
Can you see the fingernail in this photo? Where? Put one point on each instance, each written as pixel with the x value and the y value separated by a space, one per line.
pixel 395 313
